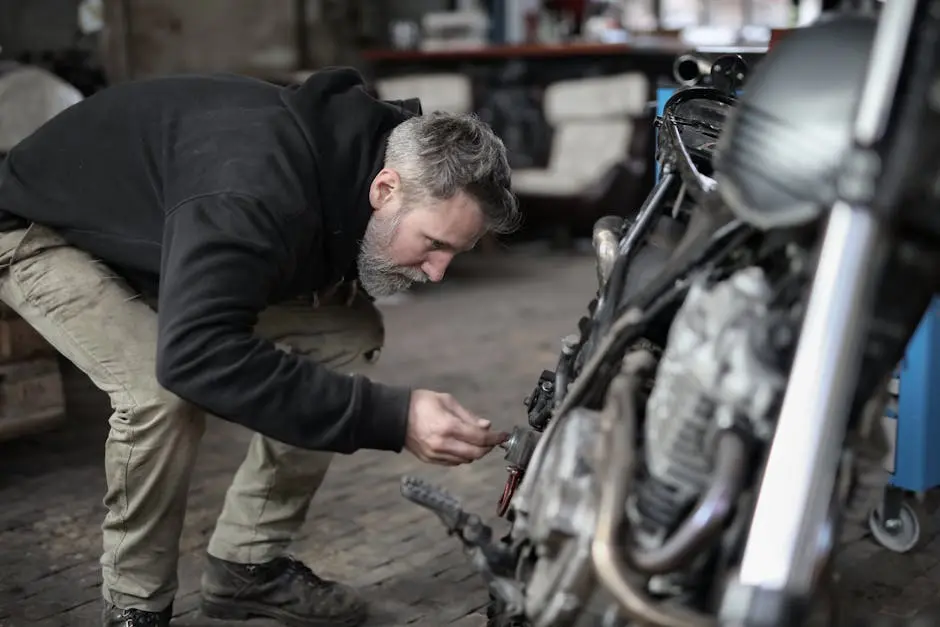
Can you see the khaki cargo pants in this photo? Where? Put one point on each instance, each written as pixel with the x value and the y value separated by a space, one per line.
pixel 110 333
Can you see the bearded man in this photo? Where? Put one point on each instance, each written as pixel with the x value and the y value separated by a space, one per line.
pixel 194 245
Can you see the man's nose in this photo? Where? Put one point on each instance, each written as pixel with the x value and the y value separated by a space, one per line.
pixel 436 266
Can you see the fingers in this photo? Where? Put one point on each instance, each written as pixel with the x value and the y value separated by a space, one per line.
pixel 451 404
pixel 448 434
pixel 495 438
pixel 443 459
pixel 474 435
pixel 470 443
pixel 448 457
pixel 467 452
pixel 453 452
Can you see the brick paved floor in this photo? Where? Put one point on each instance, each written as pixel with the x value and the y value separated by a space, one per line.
pixel 484 335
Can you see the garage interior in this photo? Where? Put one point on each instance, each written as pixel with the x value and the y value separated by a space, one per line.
pixel 536 71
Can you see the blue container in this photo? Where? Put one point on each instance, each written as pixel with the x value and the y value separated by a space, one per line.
pixel 663 94
pixel 916 424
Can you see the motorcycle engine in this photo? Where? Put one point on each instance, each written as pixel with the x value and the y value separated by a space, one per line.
pixel 558 522
pixel 714 374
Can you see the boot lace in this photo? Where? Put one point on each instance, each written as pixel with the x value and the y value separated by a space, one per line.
pixel 302 572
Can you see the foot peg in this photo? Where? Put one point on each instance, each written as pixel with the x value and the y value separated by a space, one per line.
pixel 491 558
pixel 428 496
pixel 494 560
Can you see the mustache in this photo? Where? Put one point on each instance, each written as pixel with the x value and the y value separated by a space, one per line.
pixel 414 275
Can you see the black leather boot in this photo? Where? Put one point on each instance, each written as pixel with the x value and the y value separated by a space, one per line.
pixel 283 589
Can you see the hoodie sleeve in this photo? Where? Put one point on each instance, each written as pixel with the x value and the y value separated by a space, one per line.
pixel 224 255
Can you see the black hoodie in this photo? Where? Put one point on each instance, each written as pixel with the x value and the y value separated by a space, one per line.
pixel 230 194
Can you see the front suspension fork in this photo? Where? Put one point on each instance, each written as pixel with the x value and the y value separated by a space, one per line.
pixel 775 580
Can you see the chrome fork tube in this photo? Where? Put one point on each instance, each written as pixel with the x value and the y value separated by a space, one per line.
pixel 799 477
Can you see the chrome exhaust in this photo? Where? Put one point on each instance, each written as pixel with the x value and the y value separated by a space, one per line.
pixel 710 515
pixel 691 69
pixel 613 571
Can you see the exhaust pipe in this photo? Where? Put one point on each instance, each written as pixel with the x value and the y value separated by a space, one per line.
pixel 606 239
pixel 691 69
pixel 618 424
pixel 709 516
pixel 724 71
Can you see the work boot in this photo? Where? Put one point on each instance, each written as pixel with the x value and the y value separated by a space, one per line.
pixel 116 617
pixel 283 589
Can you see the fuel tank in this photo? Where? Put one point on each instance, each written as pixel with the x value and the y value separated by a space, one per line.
pixel 782 146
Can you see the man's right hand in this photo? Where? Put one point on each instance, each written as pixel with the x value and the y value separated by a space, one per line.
pixel 441 431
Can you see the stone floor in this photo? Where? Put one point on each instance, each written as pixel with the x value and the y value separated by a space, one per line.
pixel 484 335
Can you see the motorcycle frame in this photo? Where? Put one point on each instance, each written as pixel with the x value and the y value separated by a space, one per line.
pixel 678 169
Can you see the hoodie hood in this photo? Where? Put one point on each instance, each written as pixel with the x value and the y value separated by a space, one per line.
pixel 346 128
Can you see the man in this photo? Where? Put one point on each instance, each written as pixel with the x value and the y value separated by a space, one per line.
pixel 190 244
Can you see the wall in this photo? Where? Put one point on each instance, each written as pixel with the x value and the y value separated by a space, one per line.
pixel 180 36
pixel 32 25
pixel 157 37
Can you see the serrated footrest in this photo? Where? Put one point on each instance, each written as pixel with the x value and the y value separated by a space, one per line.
pixel 431 497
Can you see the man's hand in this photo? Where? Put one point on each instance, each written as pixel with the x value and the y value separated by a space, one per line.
pixel 441 431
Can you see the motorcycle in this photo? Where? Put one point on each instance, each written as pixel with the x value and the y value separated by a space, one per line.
pixel 716 421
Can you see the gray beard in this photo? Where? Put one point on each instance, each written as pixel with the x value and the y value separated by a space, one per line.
pixel 378 276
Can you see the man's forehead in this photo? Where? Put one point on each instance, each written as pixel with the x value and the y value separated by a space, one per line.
pixel 458 246
pixel 460 216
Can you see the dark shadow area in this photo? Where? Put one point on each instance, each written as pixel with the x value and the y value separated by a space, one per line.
pixel 78 441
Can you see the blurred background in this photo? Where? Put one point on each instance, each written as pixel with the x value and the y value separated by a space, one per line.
pixel 568 84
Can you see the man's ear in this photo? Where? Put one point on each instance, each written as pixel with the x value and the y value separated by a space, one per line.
pixel 385 186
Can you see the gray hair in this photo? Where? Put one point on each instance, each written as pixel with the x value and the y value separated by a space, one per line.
pixel 440 154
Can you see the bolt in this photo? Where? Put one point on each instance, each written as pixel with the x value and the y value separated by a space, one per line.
pixel 547 386
pixel 569 343
pixel 508 442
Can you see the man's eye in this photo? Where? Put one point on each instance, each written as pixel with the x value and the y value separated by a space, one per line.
pixel 435 244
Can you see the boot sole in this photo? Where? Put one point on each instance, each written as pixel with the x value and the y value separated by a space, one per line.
pixel 225 609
